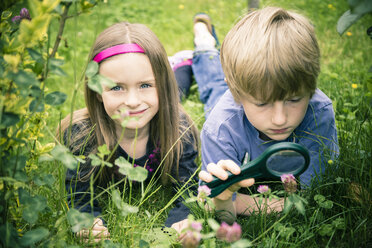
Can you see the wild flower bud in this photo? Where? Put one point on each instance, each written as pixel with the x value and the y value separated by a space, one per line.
pixel 16 19
pixel 263 189
pixel 197 226
pixel 203 192
pixel 191 239
pixel 25 14
pixel 229 233
pixel 289 183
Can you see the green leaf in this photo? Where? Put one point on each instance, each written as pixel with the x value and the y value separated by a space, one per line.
pixel 242 243
pixel 94 84
pixel 143 244
pixel 37 105
pixel 213 224
pixel 35 55
pixel 300 207
pixel 121 205
pixel 24 80
pixel 96 161
pixel 106 81
pixel 33 236
pixel 124 165
pixel 138 174
pixel 33 205
pixel 55 98
pixel 346 20
pixel 287 205
pixel 6 14
pixel 326 230
pixel 62 154
pixel 360 7
pixel 57 70
pixel 103 151
pixel 9 119
pixel 46 179
pixel 79 220
pixel 92 69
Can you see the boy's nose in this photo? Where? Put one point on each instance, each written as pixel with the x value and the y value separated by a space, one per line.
pixel 132 99
pixel 279 114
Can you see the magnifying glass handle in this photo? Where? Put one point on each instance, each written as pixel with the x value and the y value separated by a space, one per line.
pixel 217 185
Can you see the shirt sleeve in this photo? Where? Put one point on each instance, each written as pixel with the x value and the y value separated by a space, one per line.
pixel 320 138
pixel 186 170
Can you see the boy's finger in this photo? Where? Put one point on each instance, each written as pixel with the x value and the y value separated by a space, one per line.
pixel 217 171
pixel 246 182
pixel 205 176
pixel 230 166
pixel 99 233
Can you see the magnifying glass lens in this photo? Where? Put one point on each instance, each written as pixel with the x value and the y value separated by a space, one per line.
pixel 285 162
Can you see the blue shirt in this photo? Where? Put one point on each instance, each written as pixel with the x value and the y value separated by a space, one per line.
pixel 227 134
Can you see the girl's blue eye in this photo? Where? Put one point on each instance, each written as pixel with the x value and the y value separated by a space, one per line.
pixel 116 88
pixel 145 85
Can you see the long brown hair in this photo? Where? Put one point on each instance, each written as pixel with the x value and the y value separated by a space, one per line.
pixel 165 127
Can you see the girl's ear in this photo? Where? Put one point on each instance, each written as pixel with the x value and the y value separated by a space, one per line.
pixel 99 97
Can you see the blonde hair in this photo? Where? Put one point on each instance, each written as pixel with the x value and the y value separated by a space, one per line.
pixel 271 54
pixel 165 127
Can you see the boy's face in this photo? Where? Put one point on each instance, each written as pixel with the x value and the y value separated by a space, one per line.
pixel 275 120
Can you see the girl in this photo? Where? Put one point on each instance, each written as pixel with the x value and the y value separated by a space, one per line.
pixel 131 56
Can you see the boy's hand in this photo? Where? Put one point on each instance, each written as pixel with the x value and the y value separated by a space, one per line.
pixel 219 170
pixel 98 232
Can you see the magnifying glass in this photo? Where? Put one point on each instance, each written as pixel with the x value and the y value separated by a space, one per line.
pixel 278 159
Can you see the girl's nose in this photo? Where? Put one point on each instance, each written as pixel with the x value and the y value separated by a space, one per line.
pixel 132 99
pixel 279 114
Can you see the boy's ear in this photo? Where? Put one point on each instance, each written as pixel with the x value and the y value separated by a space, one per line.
pixel 99 97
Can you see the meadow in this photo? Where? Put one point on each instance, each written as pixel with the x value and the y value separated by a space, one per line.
pixel 336 209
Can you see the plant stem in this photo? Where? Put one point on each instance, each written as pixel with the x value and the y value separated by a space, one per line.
pixel 60 29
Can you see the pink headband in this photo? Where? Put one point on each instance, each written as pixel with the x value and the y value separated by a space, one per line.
pixel 118 49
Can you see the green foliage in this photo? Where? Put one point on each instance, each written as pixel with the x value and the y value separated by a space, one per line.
pixel 36 91
pixel 358 8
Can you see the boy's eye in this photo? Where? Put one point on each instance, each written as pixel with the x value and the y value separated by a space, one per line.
pixel 116 88
pixel 260 104
pixel 295 99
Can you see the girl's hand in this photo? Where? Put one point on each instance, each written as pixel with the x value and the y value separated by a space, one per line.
pixel 179 226
pixel 97 232
pixel 219 170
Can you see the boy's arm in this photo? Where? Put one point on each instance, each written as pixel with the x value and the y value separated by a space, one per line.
pixel 226 208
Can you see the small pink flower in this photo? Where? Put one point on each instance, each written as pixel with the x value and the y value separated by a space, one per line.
pixel 197 226
pixel 263 189
pixel 205 190
pixel 289 183
pixel 191 239
pixel 229 233
pixel 25 14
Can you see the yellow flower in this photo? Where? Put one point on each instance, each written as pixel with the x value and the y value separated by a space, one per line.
pixel 330 161
pixel 330 6
pixel 181 6
pixel 349 34
pixel 354 86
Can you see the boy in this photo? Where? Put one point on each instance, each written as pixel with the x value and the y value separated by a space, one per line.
pixel 270 61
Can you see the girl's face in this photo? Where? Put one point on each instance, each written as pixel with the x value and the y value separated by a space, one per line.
pixel 135 91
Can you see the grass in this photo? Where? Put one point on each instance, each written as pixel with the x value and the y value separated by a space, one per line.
pixel 347 184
